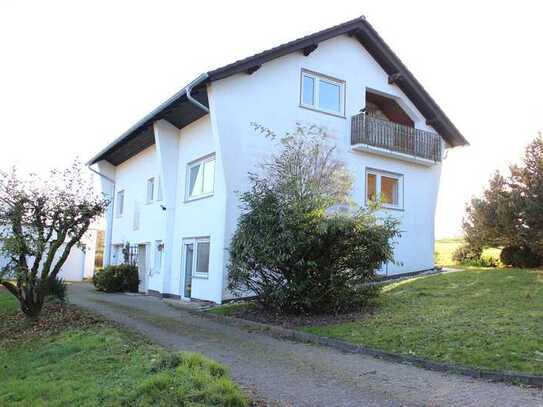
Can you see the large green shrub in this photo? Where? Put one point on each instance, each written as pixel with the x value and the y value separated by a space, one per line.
pixel 293 248
pixel 123 277
pixel 519 257
pixel 467 254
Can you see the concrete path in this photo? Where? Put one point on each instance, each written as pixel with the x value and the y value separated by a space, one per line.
pixel 286 373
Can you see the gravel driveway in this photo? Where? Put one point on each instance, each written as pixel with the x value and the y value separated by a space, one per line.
pixel 286 373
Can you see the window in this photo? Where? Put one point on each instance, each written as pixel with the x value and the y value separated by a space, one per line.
pixel 159 190
pixel 120 203
pixel 200 178
pixel 150 189
pixel 322 93
pixel 384 187
pixel 136 220
pixel 202 258
pixel 159 253
pixel 196 257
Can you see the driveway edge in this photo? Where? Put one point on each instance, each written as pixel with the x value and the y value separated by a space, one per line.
pixel 304 337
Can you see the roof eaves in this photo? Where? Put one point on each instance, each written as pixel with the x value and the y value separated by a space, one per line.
pixel 284 49
pixel 452 134
pixel 144 122
pixel 366 35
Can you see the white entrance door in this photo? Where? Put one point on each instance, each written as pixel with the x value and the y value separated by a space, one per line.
pixel 187 265
pixel 143 267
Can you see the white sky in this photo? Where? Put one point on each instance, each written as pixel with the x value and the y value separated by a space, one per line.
pixel 75 74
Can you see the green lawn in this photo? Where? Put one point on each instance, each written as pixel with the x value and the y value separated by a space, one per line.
pixel 486 318
pixel 444 249
pixel 230 309
pixel 93 363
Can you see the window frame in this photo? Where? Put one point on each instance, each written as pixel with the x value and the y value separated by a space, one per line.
pixel 317 77
pixel 378 175
pixel 119 212
pixel 200 162
pixel 150 181
pixel 195 241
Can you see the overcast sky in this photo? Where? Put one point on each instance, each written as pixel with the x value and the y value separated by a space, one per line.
pixel 74 75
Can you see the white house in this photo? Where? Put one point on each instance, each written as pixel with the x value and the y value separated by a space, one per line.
pixel 80 262
pixel 176 173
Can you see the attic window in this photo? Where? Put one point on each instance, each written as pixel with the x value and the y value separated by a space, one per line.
pixel 322 93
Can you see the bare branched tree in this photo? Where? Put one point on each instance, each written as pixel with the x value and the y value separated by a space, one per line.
pixel 307 168
pixel 41 220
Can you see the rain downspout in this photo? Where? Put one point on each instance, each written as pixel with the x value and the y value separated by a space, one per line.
pixel 191 86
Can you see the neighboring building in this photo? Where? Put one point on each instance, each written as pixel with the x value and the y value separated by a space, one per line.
pixel 80 263
pixel 175 174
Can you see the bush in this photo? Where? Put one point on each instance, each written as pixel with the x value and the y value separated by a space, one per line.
pixel 123 277
pixel 293 249
pixel 467 254
pixel 58 289
pixel 517 256
pixel 483 261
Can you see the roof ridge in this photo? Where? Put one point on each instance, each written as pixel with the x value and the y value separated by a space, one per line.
pixel 354 21
pixel 360 29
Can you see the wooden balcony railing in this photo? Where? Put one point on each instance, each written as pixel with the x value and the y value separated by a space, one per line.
pixel 383 134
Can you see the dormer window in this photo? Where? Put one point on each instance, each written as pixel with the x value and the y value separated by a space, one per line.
pixel 322 93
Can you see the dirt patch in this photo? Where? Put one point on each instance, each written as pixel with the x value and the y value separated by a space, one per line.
pixel 257 314
pixel 55 318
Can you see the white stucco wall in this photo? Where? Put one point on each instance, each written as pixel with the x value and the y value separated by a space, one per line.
pixel 168 160
pixel 201 217
pixel 131 177
pixel 271 97
pixel 78 265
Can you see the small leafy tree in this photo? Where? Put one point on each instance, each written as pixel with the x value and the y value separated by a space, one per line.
pixel 510 211
pixel 41 220
pixel 301 245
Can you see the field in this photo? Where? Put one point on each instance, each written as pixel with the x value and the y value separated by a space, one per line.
pixel 444 249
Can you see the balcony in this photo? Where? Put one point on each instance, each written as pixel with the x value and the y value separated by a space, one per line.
pixel 384 137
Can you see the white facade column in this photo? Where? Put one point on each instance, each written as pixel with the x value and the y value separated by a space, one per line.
pixel 167 149
pixel 108 189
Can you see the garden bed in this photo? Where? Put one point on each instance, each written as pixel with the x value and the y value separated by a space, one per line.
pixel 253 312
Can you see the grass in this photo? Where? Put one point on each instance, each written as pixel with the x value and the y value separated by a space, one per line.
pixel 229 309
pixel 444 249
pixel 8 304
pixel 485 318
pixel 95 363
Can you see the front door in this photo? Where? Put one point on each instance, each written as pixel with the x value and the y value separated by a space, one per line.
pixel 142 267
pixel 188 256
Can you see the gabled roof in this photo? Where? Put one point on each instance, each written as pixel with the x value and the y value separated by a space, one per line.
pixel 180 111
